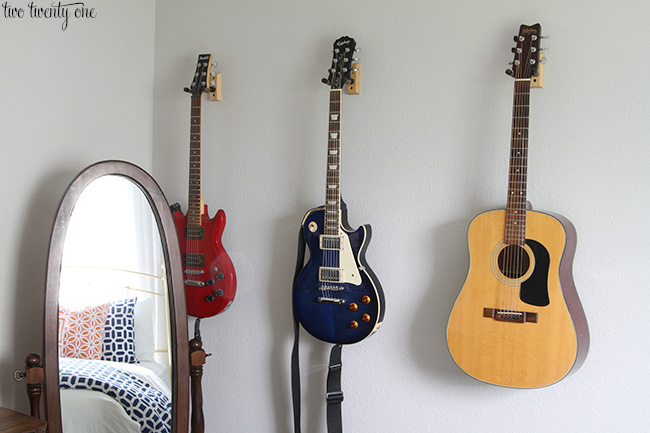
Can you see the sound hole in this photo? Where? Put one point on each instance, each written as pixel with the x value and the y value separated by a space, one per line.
pixel 513 261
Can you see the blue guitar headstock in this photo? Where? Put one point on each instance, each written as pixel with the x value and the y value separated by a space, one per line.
pixel 339 72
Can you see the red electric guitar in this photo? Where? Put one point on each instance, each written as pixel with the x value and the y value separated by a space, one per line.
pixel 210 280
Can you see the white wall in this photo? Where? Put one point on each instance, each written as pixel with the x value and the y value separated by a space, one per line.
pixel 69 98
pixel 425 149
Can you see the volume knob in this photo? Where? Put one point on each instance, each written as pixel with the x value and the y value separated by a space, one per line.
pixel 354 325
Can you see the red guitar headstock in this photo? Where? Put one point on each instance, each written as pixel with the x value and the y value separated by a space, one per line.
pixel 203 77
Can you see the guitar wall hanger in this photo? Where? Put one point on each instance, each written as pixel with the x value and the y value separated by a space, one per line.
pixel 215 90
pixel 354 88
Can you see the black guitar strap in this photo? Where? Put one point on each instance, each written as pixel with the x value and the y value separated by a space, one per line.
pixel 334 396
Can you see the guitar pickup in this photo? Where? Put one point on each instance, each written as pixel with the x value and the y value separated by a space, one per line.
pixel 510 315
pixel 194 233
pixel 194 283
pixel 194 260
pixel 327 242
pixel 330 275
pixel 325 300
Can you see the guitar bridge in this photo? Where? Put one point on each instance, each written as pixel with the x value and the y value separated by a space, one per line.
pixel 325 300
pixel 194 283
pixel 194 271
pixel 510 315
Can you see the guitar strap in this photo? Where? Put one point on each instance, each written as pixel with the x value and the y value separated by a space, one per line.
pixel 334 394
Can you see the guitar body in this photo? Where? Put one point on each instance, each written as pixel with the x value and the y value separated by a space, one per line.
pixel 494 335
pixel 210 279
pixel 331 322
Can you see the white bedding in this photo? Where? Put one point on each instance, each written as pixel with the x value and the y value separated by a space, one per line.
pixel 85 411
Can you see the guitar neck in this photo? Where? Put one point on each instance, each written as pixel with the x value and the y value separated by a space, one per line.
pixel 516 206
pixel 194 198
pixel 333 184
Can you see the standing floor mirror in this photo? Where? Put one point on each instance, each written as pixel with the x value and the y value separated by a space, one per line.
pixel 115 329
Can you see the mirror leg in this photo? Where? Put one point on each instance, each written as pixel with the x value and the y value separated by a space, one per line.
pixel 34 376
pixel 197 359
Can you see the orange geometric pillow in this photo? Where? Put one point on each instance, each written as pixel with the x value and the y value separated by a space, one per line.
pixel 83 332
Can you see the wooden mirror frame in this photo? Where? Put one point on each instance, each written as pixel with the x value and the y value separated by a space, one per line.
pixel 175 287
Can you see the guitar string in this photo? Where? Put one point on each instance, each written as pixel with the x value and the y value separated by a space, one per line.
pixel 195 129
pixel 514 255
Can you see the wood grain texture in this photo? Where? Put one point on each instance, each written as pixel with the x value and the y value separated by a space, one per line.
pixel 519 355
pixel 15 422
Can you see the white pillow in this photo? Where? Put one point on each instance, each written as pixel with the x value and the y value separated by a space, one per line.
pixel 144 344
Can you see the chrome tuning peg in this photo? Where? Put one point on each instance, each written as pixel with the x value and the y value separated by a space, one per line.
pixel 543 60
pixel 356 50
pixel 355 59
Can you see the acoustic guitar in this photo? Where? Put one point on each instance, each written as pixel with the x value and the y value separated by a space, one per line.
pixel 210 280
pixel 518 321
pixel 336 296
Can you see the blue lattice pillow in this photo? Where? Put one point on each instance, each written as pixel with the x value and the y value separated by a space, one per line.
pixel 119 332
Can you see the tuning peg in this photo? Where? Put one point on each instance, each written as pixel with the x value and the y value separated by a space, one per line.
pixel 187 89
pixel 544 37
pixel 326 81
pixel 543 60
pixel 355 69
pixel 510 72
pixel 356 50
pixel 354 59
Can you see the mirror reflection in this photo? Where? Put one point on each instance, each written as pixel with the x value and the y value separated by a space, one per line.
pixel 114 320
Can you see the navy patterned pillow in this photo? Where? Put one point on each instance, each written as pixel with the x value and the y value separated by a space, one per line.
pixel 119 332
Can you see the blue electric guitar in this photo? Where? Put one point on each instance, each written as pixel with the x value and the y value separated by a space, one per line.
pixel 336 296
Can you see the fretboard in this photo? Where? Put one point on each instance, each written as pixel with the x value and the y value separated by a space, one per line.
pixel 516 207
pixel 194 197
pixel 333 185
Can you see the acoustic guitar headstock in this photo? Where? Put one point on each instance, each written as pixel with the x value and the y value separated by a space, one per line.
pixel 527 53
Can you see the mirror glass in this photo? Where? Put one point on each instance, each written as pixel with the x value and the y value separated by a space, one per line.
pixel 116 345
pixel 113 312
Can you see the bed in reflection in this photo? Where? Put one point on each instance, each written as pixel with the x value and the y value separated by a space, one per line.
pixel 113 326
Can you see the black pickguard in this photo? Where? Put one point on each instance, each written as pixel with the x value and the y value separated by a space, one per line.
pixel 534 290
